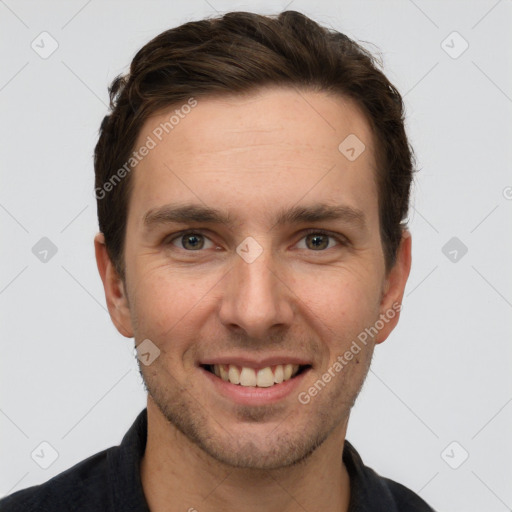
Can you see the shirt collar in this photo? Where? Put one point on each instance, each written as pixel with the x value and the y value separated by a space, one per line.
pixel 124 465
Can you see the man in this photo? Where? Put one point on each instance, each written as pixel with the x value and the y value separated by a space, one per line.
pixel 252 182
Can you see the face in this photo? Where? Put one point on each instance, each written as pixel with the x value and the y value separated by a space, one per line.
pixel 253 250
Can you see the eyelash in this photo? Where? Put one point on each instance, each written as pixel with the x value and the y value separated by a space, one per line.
pixel 342 241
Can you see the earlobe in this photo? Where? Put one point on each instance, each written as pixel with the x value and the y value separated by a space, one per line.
pixel 113 285
pixel 394 288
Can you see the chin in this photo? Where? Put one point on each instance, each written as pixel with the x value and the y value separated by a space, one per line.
pixel 249 442
pixel 268 452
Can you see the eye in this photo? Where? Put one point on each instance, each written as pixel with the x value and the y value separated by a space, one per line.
pixel 318 240
pixel 190 241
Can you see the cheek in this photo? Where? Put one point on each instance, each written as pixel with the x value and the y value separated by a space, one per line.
pixel 342 300
pixel 339 286
pixel 167 301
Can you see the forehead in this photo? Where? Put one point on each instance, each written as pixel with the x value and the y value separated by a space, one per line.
pixel 272 146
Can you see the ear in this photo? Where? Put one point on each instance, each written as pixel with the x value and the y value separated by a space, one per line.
pixel 394 287
pixel 115 295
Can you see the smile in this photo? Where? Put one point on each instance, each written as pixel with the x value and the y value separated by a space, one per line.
pixel 253 377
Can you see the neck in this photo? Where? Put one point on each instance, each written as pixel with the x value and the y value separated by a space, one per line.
pixel 177 475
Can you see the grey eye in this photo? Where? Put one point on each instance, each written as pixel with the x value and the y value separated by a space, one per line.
pixel 317 241
pixel 191 241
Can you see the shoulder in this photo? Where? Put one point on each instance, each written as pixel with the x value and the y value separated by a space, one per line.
pixel 82 487
pixel 372 492
pixel 403 498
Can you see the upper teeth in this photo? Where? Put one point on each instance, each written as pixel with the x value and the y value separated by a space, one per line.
pixel 263 378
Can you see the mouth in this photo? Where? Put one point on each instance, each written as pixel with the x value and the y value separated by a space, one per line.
pixel 266 377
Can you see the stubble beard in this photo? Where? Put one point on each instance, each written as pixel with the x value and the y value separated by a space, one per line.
pixel 283 447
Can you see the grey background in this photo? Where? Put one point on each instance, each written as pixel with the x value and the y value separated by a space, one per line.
pixel 69 379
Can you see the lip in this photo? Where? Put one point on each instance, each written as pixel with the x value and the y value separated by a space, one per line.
pixel 249 395
pixel 256 363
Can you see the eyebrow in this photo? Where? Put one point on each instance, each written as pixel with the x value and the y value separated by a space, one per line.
pixel 195 213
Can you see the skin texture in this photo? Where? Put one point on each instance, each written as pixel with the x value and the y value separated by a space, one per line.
pixel 252 156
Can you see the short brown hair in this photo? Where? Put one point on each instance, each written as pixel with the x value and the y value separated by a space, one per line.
pixel 237 53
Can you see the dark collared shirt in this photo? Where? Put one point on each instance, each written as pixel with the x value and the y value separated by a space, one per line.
pixel 110 481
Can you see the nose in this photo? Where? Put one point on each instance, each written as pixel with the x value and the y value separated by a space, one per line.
pixel 257 299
